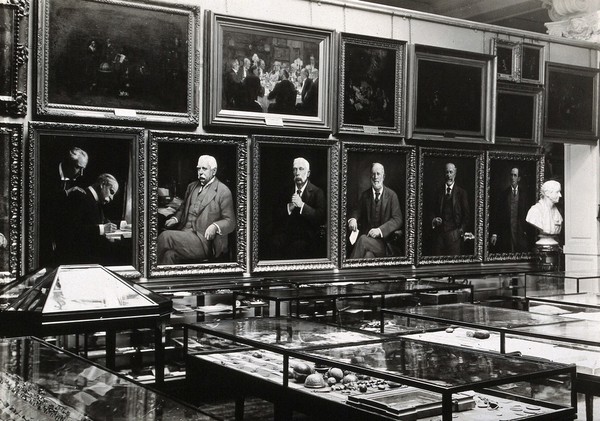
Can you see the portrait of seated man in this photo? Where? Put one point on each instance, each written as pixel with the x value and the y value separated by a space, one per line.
pixel 376 218
pixel 199 230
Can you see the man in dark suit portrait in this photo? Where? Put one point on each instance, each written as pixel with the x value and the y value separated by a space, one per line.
pixel 310 102
pixel 450 216
pixel 200 228
pixel 510 232
pixel 297 230
pixel 57 185
pixel 232 87
pixel 284 93
pixel 85 226
pixel 305 84
pixel 377 218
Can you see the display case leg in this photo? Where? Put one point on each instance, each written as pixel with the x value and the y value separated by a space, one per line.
pixel 589 406
pixel 239 408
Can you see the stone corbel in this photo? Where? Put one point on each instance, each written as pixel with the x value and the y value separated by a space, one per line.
pixel 559 10
pixel 585 27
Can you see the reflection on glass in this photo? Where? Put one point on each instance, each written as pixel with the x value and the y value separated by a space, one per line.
pixel 64 387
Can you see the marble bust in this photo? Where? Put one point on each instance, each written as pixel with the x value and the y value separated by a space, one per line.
pixel 544 215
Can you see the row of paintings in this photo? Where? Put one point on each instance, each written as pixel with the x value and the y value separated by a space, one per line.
pixel 142 179
pixel 100 60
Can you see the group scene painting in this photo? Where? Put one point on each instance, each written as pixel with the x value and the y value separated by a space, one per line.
pixel 117 56
pixel 268 74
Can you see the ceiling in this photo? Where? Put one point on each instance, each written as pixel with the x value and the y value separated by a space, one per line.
pixel 528 15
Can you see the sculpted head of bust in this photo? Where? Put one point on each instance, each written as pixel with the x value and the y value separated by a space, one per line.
pixel 544 215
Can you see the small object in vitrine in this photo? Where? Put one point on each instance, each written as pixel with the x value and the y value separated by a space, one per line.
pixel 336 373
pixel 349 378
pixel 321 368
pixel 315 381
pixel 301 371
pixel 478 334
pixel 362 388
pixel 449 330
pixel 331 381
pixel 257 354
pixel 357 359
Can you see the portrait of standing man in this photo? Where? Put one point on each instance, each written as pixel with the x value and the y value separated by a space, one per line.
pixel 513 180
pixel 451 215
pixel 294 203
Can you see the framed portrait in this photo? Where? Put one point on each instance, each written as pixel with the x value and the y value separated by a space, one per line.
pixel 14 54
pixel 270 75
pixel 201 199
pixel 378 202
pixel 294 203
pixel 10 199
pixel 451 199
pixel 519 114
pixel 118 60
pixel 86 196
pixel 508 59
pixel 451 95
pixel 513 181
pixel 372 85
pixel 532 63
pixel 571 102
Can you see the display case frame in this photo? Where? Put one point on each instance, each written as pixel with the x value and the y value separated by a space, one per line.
pixel 30 384
pixel 317 355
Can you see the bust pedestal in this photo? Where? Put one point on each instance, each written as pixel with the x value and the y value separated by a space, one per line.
pixel 548 253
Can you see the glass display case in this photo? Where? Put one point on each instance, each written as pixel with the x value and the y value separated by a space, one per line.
pixel 539 284
pixel 84 299
pixel 339 301
pixel 41 382
pixel 376 364
pixel 561 339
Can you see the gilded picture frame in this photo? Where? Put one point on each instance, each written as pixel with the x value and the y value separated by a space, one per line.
pixel 529 171
pixel 173 159
pixel 461 240
pixel 302 236
pixel 571 102
pixel 53 210
pixel 11 188
pixel 246 64
pixel 519 116
pixel 118 60
pixel 399 167
pixel 451 95
pixel 372 86
pixel 14 56
pixel 508 59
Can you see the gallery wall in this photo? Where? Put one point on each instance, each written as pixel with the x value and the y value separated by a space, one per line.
pixel 256 152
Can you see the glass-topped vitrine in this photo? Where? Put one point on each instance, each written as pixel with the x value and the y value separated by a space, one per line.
pixel 539 284
pixel 82 299
pixel 338 301
pixel 41 382
pixel 438 368
pixel 556 338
